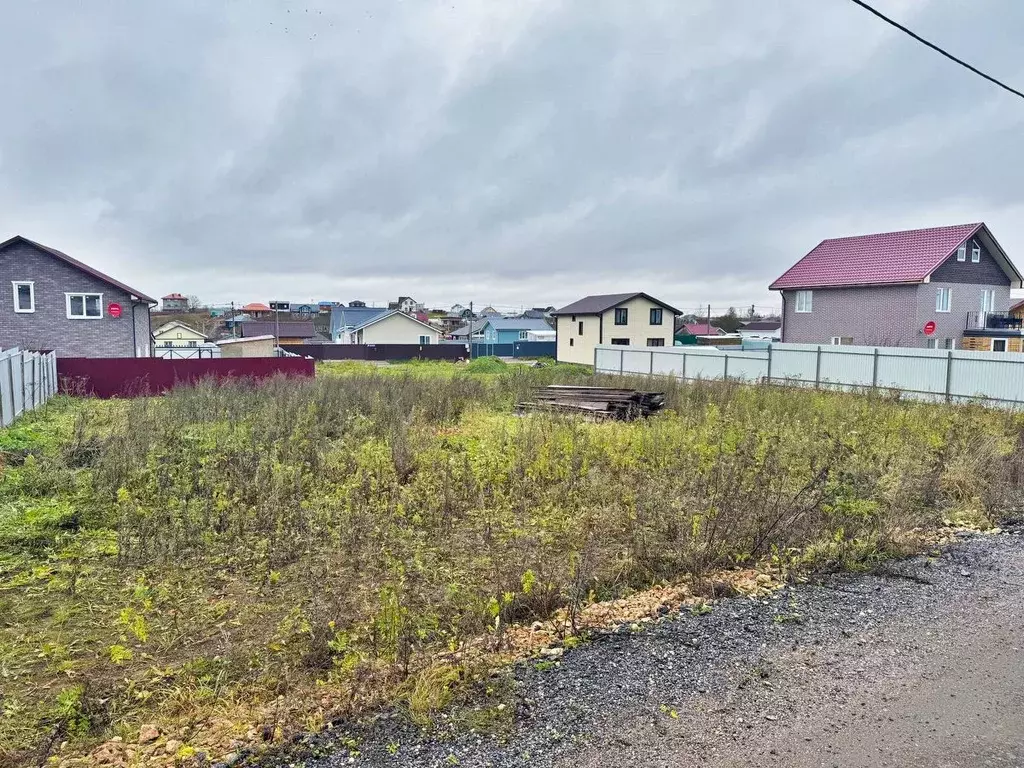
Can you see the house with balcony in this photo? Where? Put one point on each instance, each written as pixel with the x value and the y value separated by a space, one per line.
pixel 938 288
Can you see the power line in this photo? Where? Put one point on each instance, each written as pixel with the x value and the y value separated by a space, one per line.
pixel 936 48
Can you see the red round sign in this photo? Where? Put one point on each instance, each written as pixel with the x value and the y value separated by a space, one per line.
pixel 929 328
pixel 114 310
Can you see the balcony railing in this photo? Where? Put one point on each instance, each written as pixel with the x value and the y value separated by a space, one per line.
pixel 994 321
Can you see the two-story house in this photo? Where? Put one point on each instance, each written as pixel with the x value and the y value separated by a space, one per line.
pixel 629 319
pixel 57 302
pixel 946 287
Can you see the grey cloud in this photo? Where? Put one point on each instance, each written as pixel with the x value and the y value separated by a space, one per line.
pixel 249 148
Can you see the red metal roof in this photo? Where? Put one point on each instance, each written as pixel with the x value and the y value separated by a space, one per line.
pixel 890 257
pixel 255 307
pixel 79 265
pixel 702 329
pixel 174 296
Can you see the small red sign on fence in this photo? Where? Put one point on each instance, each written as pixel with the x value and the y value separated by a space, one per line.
pixel 929 328
pixel 114 310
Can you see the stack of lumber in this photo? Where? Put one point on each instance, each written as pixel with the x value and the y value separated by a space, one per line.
pixel 599 402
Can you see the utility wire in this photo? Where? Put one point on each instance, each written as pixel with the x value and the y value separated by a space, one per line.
pixel 936 48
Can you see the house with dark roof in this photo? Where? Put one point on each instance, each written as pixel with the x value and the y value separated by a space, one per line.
pixel 945 287
pixel 285 331
pixel 761 330
pixel 628 319
pixel 57 302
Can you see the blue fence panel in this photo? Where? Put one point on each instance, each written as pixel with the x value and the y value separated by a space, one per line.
pixel 516 349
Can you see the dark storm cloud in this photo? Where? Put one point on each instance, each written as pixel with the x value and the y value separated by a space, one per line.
pixel 516 152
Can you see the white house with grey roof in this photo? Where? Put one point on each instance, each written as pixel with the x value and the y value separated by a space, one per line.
pixel 628 319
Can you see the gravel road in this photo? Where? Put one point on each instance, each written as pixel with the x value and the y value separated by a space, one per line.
pixel 920 666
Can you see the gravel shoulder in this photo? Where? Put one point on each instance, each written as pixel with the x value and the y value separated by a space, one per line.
pixel 920 666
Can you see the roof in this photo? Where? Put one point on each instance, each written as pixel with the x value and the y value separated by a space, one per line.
pixel 762 325
pixel 255 307
pixel 294 329
pixel 471 327
pixel 517 324
pixel 247 338
pixel 702 329
pixel 595 305
pixel 392 313
pixel 176 296
pixel 79 265
pixel 1015 307
pixel 886 258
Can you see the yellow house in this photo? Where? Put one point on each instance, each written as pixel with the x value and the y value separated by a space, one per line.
pixel 176 335
pixel 629 319
pixel 394 327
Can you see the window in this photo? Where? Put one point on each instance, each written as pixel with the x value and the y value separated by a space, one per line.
pixel 621 342
pixel 652 342
pixel 24 295
pixel 524 335
pixel 168 343
pixel 571 340
pixel 998 345
pixel 84 306
pixel 988 300
pixel 961 253
pixel 943 299
pixel 193 343
pixel 424 339
pixel 581 327
pixel 621 316
pixel 975 255
pixel 949 344
pixel 804 301
pixel 931 343
pixel 656 314
pixel 842 341
pixel 574 318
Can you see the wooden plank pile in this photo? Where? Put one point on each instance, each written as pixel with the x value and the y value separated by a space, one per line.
pixel 599 402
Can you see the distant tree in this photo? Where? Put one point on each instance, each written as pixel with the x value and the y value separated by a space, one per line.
pixel 195 303
pixel 729 322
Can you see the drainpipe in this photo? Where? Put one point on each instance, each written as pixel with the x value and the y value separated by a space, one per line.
pixel 782 329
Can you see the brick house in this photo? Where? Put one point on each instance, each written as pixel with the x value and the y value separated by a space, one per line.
pixel 57 302
pixel 891 289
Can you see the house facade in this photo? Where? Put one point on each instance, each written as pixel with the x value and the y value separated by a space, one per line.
pixel 628 319
pixel 945 288
pixel 285 331
pixel 175 337
pixel 53 301
pixel 174 302
pixel 394 327
pixel 502 330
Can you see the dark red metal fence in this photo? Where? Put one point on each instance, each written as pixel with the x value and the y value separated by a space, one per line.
pixel 142 376
pixel 380 351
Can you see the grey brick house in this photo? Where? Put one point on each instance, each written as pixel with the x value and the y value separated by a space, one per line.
pixel 49 300
pixel 946 287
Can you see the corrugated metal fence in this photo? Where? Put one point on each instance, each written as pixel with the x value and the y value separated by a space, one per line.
pixel 27 381
pixel 933 374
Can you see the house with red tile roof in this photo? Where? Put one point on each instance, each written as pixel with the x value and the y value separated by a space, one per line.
pixel 945 287
pixel 174 302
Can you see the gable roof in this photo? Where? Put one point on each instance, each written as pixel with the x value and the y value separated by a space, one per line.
pixel 392 313
pixel 517 324
pixel 595 305
pixel 177 296
pixel 177 324
pixel 79 265
pixel 473 326
pixel 255 306
pixel 887 258
pixel 761 325
pixel 1014 307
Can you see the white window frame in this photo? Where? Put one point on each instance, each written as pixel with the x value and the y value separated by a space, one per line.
pixel 15 284
pixel 975 255
pixel 961 253
pixel 424 339
pixel 1006 345
pixel 949 343
pixel 945 307
pixel 804 302
pixel 524 335
pixel 837 341
pixel 988 300
pixel 83 294
pixel 931 343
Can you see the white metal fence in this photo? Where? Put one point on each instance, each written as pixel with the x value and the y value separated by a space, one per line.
pixel 27 381
pixel 932 374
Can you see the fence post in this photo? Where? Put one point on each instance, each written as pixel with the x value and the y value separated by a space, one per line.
pixel 6 418
pixel 949 375
pixel 817 369
pixel 10 380
pixel 651 371
pixel 874 371
pixel 684 366
pixel 768 373
pixel 24 394
pixel 725 368
pixel 622 361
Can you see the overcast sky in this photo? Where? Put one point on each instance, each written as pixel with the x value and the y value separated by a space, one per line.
pixel 502 151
